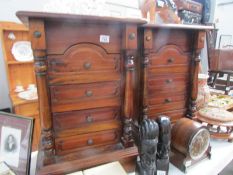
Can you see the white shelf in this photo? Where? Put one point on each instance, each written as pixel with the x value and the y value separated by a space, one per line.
pixel 221 155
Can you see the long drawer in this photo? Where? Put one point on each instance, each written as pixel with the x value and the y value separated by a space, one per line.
pixel 169 59
pixel 83 63
pixel 167 83
pixel 83 118
pixel 69 144
pixel 85 96
pixel 168 56
pixel 173 115
pixel 166 99
pixel 168 106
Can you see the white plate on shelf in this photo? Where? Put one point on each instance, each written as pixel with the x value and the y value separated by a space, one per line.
pixel 22 51
pixel 28 95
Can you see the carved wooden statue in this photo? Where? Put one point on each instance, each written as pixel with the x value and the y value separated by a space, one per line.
pixel 163 144
pixel 146 163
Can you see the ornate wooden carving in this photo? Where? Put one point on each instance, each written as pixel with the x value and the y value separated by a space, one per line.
pixel 148 133
pixel 128 100
pixel 37 35
pixel 163 144
pixel 145 61
pixel 194 75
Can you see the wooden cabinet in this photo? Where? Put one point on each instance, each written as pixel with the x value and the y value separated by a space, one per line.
pixel 170 61
pixel 20 74
pixel 85 70
pixel 98 76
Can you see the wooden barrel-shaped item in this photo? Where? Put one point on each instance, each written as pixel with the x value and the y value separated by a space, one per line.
pixel 190 138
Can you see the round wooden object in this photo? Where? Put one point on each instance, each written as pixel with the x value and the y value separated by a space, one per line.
pixel 190 138
pixel 216 114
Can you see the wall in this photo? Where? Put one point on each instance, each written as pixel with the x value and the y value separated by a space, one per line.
pixel 223 18
pixel 8 9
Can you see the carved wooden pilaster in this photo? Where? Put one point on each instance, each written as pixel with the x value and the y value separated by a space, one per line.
pixel 200 39
pixel 130 49
pixel 148 42
pixel 145 74
pixel 37 35
pixel 128 99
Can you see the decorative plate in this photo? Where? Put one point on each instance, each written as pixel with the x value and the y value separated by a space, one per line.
pixel 28 95
pixel 22 51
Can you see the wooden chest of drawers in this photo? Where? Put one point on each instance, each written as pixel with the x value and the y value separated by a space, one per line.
pixel 86 79
pixel 170 62
pixel 95 83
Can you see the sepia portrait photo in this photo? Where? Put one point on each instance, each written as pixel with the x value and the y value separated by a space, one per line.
pixel 10 145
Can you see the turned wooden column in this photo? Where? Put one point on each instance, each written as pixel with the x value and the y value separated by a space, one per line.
pixel 130 53
pixel 145 62
pixel 199 44
pixel 37 34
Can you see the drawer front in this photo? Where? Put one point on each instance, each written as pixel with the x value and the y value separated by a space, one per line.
pixel 174 82
pixel 169 59
pixel 74 119
pixel 86 62
pixel 166 99
pixel 82 96
pixel 163 107
pixel 168 56
pixel 173 115
pixel 69 144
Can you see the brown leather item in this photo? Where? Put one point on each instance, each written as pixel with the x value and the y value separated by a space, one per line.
pixel 189 6
pixel 96 77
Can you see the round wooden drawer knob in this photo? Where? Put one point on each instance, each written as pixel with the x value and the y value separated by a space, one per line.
pixel 168 81
pixel 89 93
pixel 89 119
pixel 168 100
pixel 87 65
pixel 170 60
pixel 90 142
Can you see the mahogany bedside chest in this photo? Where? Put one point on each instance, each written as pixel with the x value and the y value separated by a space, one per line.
pixel 170 60
pixel 85 72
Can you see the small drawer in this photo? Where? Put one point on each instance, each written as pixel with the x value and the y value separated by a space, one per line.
pixel 177 83
pixel 173 115
pixel 167 107
pixel 69 144
pixel 168 56
pixel 166 102
pixel 74 119
pixel 83 63
pixel 87 59
pixel 85 96
pixel 166 99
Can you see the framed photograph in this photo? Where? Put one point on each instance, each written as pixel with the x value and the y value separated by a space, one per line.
pixel 15 142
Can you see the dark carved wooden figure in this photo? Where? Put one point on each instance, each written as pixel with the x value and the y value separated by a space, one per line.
pixel 146 163
pixel 163 144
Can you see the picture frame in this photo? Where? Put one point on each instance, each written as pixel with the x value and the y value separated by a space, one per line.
pixel 15 142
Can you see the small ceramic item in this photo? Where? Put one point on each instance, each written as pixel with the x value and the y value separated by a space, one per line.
pixel 28 95
pixel 31 87
pixel 11 36
pixel 22 51
pixel 19 88
pixel 203 91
